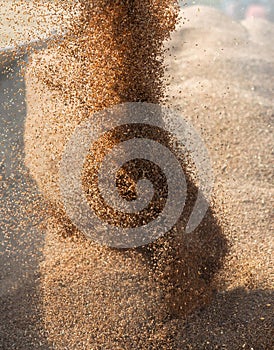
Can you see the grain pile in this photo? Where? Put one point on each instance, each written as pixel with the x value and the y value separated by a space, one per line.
pixel 99 298
pixel 225 87
pixel 260 31
pixel 227 78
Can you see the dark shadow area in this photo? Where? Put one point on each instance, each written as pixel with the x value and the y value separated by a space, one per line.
pixel 20 240
pixel 236 319
pixel 186 264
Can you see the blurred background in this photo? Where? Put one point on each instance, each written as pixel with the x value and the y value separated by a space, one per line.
pixel 240 9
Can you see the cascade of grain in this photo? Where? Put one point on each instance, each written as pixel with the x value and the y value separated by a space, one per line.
pixel 93 296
